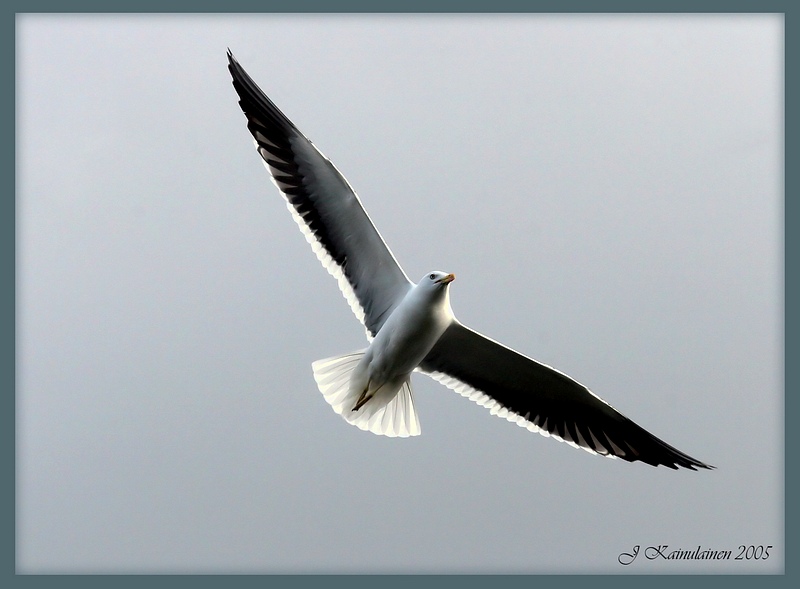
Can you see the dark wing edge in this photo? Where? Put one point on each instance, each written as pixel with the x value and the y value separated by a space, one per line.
pixel 325 207
pixel 542 399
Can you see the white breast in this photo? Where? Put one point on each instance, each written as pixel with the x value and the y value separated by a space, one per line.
pixel 409 333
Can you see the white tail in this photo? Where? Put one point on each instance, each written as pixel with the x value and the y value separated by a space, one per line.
pixel 393 416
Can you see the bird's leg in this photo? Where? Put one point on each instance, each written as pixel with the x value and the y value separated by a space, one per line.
pixel 362 399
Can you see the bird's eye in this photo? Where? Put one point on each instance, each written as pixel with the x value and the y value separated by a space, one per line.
pixel 432 276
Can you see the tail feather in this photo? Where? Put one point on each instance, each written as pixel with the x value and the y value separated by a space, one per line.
pixel 392 415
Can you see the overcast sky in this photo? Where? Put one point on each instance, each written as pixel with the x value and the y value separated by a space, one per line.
pixel 608 190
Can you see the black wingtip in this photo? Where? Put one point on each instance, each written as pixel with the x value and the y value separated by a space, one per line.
pixel 233 65
pixel 676 459
pixel 687 461
pixel 254 102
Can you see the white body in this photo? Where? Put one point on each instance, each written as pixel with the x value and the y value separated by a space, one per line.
pixel 371 388
pixel 404 340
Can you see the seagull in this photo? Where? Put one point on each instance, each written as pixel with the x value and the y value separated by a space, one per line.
pixel 410 327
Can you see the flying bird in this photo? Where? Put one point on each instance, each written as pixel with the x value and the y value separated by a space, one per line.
pixel 411 327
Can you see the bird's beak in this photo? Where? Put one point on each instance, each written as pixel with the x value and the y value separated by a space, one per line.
pixel 447 279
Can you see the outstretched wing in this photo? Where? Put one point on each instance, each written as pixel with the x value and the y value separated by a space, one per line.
pixel 325 207
pixel 542 399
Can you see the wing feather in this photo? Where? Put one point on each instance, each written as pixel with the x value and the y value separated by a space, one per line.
pixel 325 207
pixel 542 399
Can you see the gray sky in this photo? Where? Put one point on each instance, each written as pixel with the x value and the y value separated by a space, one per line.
pixel 607 189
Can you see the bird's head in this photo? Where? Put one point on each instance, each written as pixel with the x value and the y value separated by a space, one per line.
pixel 437 280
